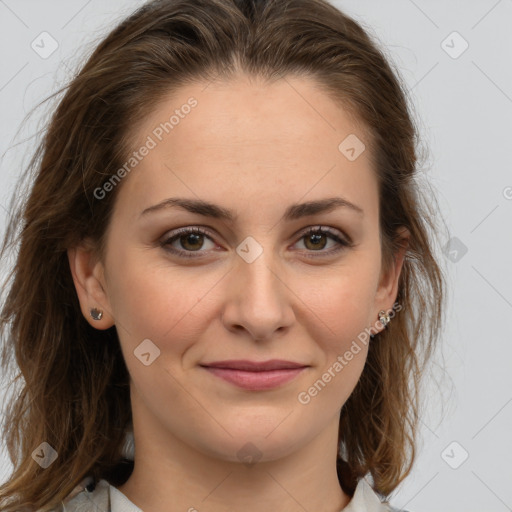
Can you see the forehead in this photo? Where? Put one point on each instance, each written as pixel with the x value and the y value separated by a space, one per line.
pixel 244 139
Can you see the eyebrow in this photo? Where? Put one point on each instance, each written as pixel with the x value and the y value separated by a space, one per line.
pixel 293 212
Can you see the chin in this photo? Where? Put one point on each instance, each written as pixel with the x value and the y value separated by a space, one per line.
pixel 250 445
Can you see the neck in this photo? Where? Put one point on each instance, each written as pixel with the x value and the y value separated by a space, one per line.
pixel 187 479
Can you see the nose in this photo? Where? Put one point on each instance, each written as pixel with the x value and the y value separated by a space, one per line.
pixel 259 301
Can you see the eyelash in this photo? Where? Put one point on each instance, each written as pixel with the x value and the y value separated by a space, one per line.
pixel 317 230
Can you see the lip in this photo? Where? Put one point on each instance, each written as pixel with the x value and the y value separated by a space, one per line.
pixel 254 375
pixel 255 366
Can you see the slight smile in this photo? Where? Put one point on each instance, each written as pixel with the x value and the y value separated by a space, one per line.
pixel 253 375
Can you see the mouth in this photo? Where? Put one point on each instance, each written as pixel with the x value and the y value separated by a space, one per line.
pixel 253 375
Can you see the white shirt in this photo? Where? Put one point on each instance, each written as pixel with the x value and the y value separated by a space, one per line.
pixel 107 498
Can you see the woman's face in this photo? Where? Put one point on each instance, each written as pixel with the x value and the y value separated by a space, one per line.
pixel 252 286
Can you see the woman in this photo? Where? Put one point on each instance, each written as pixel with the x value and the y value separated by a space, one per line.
pixel 224 249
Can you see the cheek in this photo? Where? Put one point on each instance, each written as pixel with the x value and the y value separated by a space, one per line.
pixel 342 311
pixel 341 300
pixel 158 301
pixel 340 308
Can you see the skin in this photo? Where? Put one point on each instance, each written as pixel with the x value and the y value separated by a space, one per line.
pixel 254 148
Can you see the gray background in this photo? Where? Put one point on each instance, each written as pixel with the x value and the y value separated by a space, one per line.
pixel 464 102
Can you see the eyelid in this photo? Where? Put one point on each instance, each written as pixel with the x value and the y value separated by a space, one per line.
pixel 176 233
pixel 341 238
pixel 326 230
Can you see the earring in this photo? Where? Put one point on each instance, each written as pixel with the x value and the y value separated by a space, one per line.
pixel 96 314
pixel 384 319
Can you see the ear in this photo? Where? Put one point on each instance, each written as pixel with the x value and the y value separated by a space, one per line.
pixel 89 278
pixel 387 289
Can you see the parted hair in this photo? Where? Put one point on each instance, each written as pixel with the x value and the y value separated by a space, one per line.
pixel 70 382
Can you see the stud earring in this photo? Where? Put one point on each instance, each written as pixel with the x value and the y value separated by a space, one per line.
pixel 384 319
pixel 96 314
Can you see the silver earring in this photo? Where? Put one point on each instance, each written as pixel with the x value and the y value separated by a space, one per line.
pixel 96 314
pixel 384 318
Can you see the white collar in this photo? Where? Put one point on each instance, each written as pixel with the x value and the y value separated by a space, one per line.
pixel 364 500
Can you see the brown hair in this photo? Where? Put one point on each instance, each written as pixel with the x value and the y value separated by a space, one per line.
pixel 75 389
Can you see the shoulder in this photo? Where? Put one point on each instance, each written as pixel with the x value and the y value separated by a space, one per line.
pixel 86 497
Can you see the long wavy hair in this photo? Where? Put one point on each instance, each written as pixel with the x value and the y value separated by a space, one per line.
pixel 72 387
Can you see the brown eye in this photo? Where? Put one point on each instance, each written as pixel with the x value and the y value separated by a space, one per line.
pixel 186 241
pixel 192 241
pixel 316 240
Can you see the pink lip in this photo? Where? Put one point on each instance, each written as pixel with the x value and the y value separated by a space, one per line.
pixel 256 375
